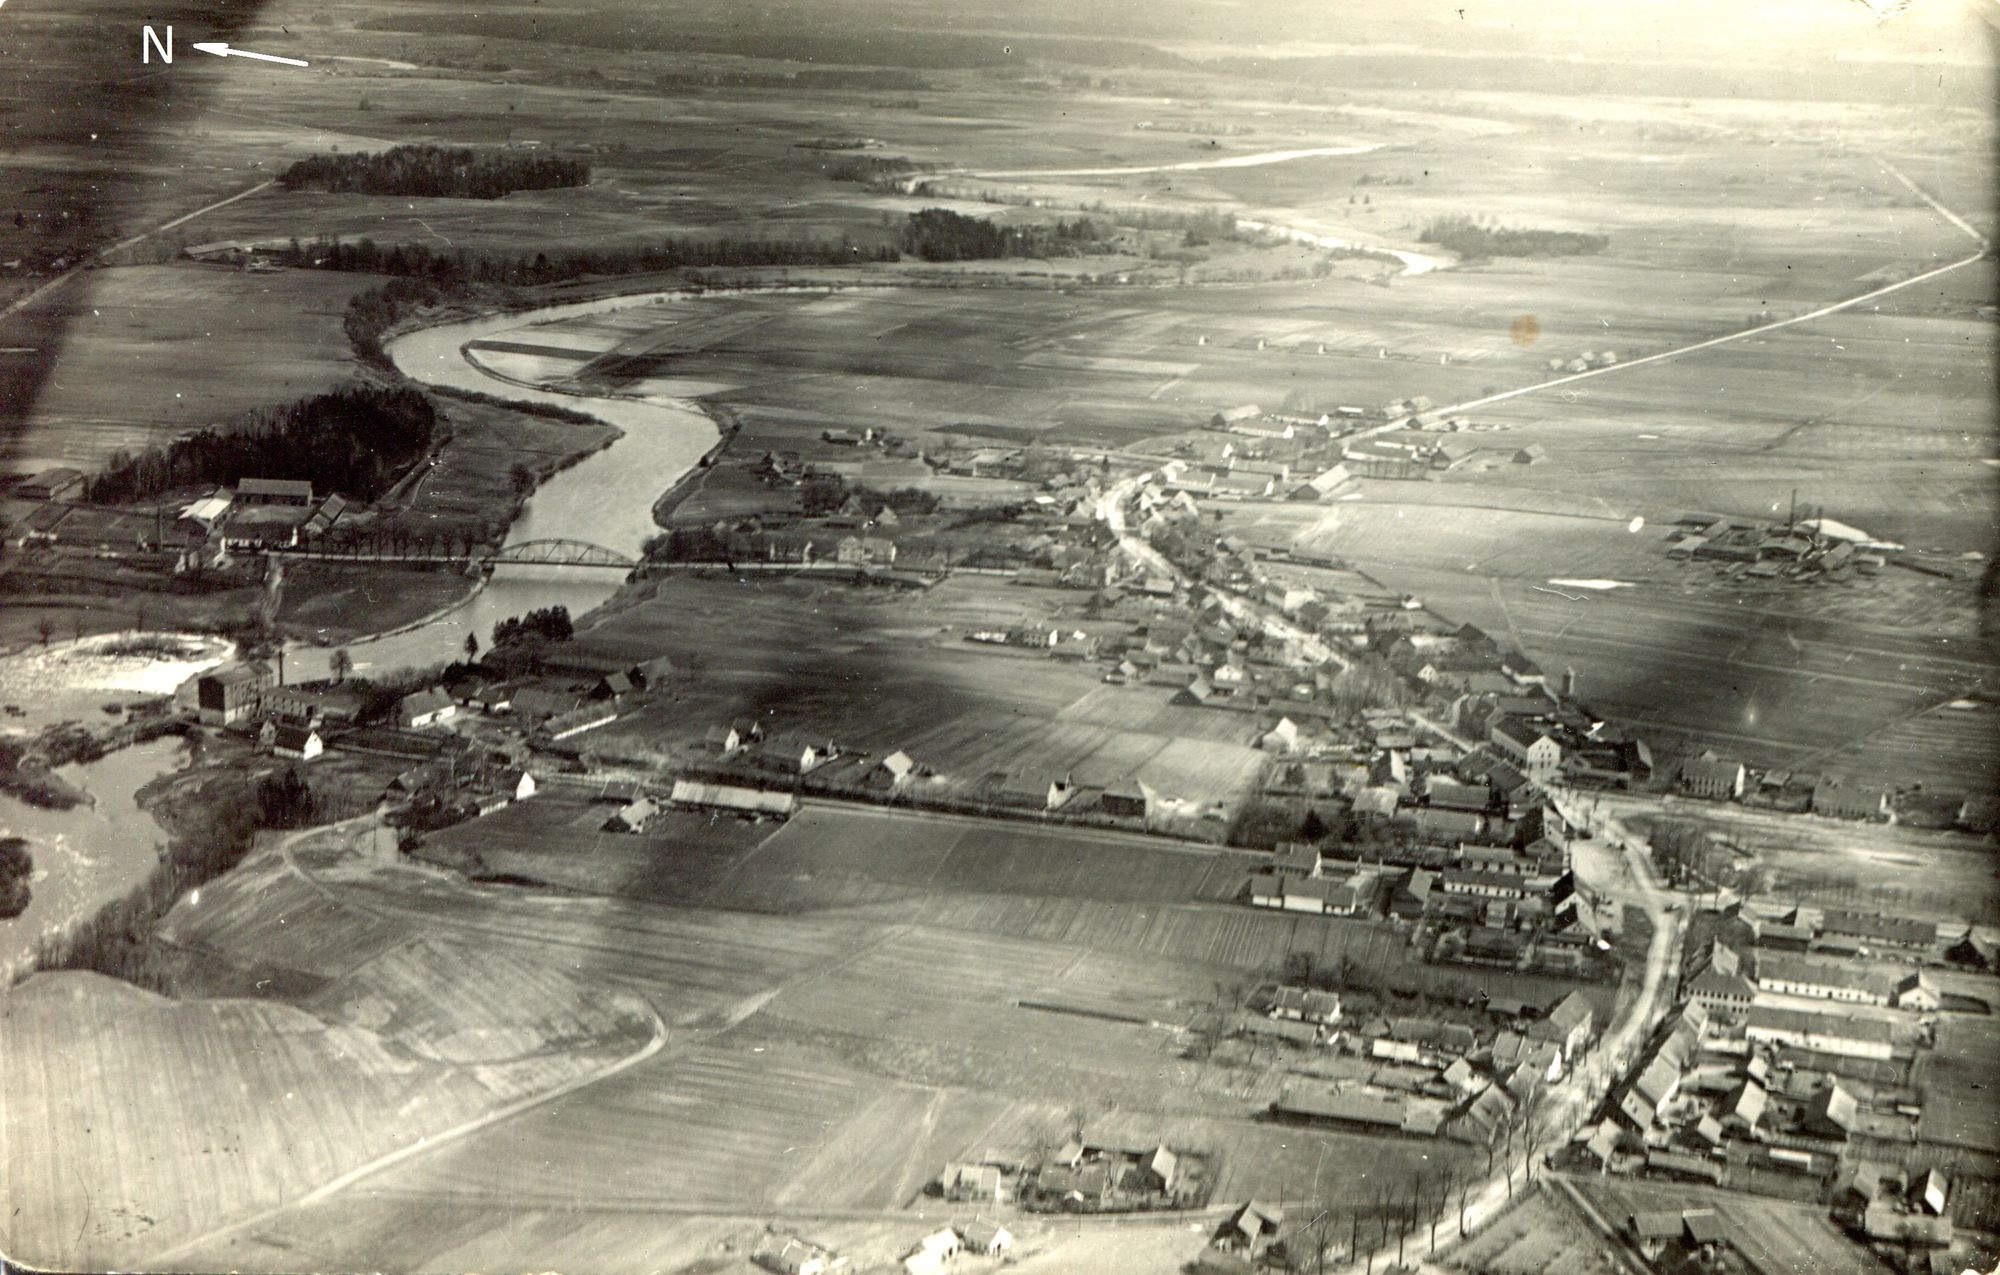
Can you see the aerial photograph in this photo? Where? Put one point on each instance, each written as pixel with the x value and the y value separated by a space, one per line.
pixel 1157 637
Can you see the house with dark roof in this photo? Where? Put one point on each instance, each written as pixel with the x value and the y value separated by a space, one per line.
pixel 1838 798
pixel 1250 1229
pixel 233 692
pixel 274 491
pixel 300 743
pixel 1530 746
pixel 1878 929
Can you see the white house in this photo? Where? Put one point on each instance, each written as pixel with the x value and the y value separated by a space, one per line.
pixel 1282 738
pixel 932 1252
pixel 300 743
pixel 899 766
pixel 989 1238
pixel 425 708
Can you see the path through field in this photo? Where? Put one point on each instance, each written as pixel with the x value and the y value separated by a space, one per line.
pixel 654 1044
pixel 22 303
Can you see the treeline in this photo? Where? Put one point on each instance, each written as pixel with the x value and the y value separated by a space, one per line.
pixel 1470 237
pixel 867 169
pixel 17 867
pixel 375 311
pixel 354 441
pixel 939 234
pixel 435 172
pixel 459 265
pixel 550 624
pixel 823 494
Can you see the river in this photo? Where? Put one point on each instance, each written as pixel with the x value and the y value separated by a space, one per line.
pixel 87 856
pixel 91 855
pixel 606 499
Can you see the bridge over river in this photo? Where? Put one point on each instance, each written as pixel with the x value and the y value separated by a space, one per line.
pixel 532 553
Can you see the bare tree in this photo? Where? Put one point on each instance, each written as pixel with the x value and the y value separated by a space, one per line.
pixel 46 627
pixel 341 663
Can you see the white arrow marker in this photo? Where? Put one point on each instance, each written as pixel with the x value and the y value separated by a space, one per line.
pixel 222 50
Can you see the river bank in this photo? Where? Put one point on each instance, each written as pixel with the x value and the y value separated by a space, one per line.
pixel 89 855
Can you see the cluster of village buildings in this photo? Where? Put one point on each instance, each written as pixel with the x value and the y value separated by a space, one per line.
pixel 1749 549
pixel 1422 1077
pixel 1788 1071
pixel 255 515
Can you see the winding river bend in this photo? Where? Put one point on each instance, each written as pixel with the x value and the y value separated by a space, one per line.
pixel 607 498
pixel 92 855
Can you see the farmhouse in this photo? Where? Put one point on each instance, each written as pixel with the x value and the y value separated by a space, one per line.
pixel 1707 775
pixel 1830 1113
pixel 1036 792
pixel 989 1238
pixel 424 708
pixel 1875 929
pixel 60 483
pixel 300 743
pixel 1844 1035
pixel 796 754
pixel 1839 799
pixel 970 1182
pixel 1124 801
pixel 274 491
pixel 1306 1005
pixel 754 801
pixel 898 767
pixel 232 693
pixel 1568 1025
pixel 1529 745
pixel 794 1256
pixel 632 816
pixel 1251 1228
pixel 1743 1110
pixel 1822 980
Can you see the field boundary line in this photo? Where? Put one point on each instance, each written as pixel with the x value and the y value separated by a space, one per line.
pixel 325 1190
pixel 90 258
pixel 1725 339
pixel 1941 210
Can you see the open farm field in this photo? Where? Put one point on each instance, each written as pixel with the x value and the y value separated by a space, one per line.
pixel 331 603
pixel 1776 1237
pixel 1840 863
pixel 965 711
pixel 306 1099
pixel 558 841
pixel 152 352
pixel 828 858
pixel 720 1127
pixel 1882 419
pixel 1768 655
pixel 1958 1113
